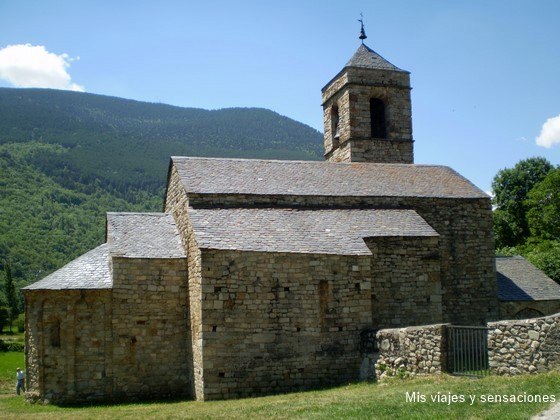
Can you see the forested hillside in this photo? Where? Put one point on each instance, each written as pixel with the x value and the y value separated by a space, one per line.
pixel 44 224
pixel 122 143
pixel 68 157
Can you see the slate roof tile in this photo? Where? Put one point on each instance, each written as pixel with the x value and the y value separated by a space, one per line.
pixel 519 280
pixel 143 235
pixel 308 178
pixel 89 271
pixel 132 235
pixel 365 57
pixel 339 232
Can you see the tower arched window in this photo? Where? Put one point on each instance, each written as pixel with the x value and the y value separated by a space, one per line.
pixel 377 118
pixel 335 125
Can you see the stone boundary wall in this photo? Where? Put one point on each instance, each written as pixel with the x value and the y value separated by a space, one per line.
pixel 514 347
pixel 524 346
pixel 403 352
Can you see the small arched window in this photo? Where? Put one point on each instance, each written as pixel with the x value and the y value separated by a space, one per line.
pixel 528 313
pixel 335 125
pixel 377 118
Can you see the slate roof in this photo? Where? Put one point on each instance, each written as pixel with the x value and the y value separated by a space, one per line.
pixel 308 178
pixel 338 232
pixel 365 57
pixel 132 235
pixel 89 271
pixel 143 235
pixel 519 280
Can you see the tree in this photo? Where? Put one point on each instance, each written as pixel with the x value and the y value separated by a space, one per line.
pixel 511 187
pixel 10 291
pixel 505 229
pixel 4 317
pixel 543 203
pixel 543 254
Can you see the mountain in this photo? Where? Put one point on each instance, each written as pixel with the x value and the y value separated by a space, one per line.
pixel 68 157
pixel 124 143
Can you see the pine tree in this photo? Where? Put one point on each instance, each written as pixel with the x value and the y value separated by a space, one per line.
pixel 10 291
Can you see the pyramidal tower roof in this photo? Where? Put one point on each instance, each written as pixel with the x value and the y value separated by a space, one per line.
pixel 365 57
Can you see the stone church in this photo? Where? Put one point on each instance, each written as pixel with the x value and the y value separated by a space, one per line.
pixel 260 275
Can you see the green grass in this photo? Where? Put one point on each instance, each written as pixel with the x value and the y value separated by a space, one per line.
pixel 9 362
pixel 12 336
pixel 364 400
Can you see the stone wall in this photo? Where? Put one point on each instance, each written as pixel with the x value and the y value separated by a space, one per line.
pixel 372 150
pixel 281 322
pixel 403 352
pixel 151 344
pixel 340 153
pixel 341 103
pixel 524 346
pixel 177 203
pixel 406 287
pixel 69 344
pixel 350 94
pixel 122 343
pixel 514 347
pixel 353 89
pixel 528 309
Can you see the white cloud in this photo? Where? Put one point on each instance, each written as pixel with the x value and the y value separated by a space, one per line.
pixel 550 133
pixel 33 66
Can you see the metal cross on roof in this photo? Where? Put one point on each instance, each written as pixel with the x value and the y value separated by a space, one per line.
pixel 362 30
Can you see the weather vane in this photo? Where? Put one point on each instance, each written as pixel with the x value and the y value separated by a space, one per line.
pixel 362 30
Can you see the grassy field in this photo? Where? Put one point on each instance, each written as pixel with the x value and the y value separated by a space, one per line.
pixel 12 336
pixel 364 400
pixel 9 361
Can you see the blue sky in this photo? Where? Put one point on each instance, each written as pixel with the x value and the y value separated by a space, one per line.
pixel 485 73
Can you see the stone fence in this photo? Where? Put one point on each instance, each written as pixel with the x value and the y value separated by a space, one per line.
pixel 529 345
pixel 403 351
pixel 514 347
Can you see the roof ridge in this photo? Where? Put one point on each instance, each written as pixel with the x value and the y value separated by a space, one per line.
pixel 133 213
pixel 315 162
pixel 310 178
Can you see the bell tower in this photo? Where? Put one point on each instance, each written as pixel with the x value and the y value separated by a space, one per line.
pixel 367 112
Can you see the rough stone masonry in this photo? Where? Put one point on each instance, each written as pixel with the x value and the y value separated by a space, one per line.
pixel 514 347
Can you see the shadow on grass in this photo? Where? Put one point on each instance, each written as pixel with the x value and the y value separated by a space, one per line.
pixel 119 402
pixel 116 402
